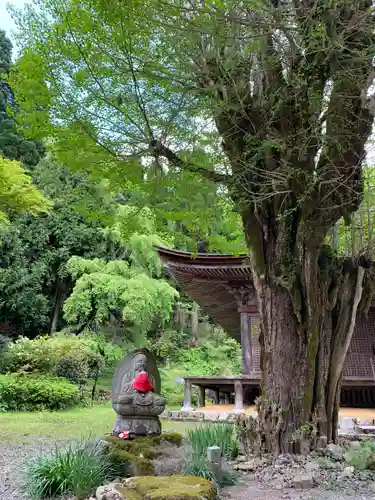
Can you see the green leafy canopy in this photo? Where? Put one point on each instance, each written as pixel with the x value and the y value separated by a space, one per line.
pixel 114 288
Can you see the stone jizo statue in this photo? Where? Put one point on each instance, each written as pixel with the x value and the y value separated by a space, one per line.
pixel 135 397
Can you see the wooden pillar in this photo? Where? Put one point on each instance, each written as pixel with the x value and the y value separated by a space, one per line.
pixel 187 396
pixel 238 396
pixel 216 397
pixel 201 396
pixel 246 344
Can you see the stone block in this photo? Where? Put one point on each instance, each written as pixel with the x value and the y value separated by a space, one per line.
pixel 303 482
pixel 138 426
pixel 249 465
pixel 223 416
pixel 174 415
pixel 335 451
pixel 211 416
pixel 214 454
pixel 109 492
pixel 196 415
pixel 347 472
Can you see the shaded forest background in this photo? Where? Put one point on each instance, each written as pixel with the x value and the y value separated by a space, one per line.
pixel 88 270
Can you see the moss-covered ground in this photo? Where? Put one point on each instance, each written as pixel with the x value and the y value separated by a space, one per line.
pixel 136 456
pixel 169 488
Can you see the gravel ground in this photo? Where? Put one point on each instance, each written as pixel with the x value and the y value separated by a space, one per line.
pixel 248 489
pixel 14 456
pixel 12 460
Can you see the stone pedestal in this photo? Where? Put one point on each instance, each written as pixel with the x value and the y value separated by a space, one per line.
pixel 137 426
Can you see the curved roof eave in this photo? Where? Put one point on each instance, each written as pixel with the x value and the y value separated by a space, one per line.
pixel 207 279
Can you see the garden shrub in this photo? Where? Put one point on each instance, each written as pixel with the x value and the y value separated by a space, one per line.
pixel 4 346
pixel 199 361
pixel 77 470
pixel 73 369
pixel 35 393
pixel 44 354
pixel 363 457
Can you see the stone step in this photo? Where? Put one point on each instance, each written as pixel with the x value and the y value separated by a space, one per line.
pixel 366 429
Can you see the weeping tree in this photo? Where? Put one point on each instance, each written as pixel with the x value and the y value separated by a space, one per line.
pixel 269 100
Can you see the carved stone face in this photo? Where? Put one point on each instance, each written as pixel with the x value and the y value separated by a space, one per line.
pixel 140 363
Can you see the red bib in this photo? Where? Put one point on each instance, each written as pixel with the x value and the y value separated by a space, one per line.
pixel 142 383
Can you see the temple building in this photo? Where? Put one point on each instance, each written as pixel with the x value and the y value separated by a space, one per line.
pixel 222 286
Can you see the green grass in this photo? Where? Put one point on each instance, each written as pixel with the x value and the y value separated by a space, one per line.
pixel 212 434
pixel 75 424
pixel 76 470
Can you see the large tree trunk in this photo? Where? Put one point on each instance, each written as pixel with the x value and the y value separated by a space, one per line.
pixel 306 329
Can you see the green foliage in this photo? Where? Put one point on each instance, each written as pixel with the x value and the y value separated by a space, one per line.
pixel 169 202
pixel 18 193
pixel 34 250
pixel 363 457
pixel 77 470
pixel 115 289
pixel 219 355
pixel 199 439
pixel 4 345
pixel 208 360
pixel 143 253
pixel 36 393
pixel 198 466
pixel 168 342
pixel 73 369
pixel 210 434
pixel 49 354
pixel 12 144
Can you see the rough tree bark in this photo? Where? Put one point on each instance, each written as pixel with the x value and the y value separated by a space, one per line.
pixel 290 194
pixel 303 352
pixel 294 119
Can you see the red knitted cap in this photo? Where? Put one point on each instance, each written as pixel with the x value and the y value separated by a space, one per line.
pixel 142 383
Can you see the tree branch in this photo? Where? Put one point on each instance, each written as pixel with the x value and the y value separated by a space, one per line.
pixel 159 150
